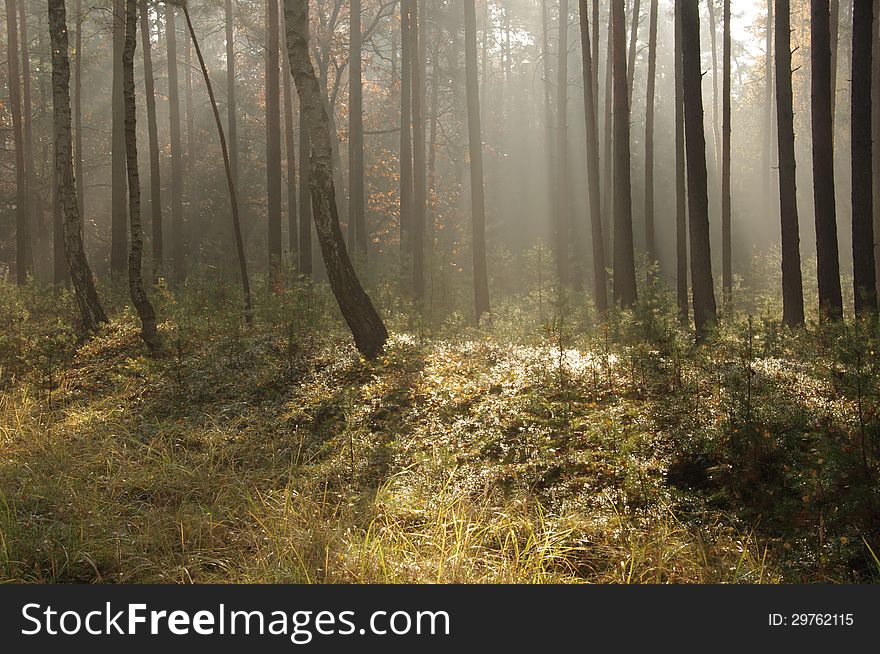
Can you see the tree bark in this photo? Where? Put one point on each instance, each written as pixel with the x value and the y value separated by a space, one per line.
pixel 193 233
pixel 624 257
pixel 406 156
pixel 27 109
pixel 766 150
pixel 233 198
pixel 563 228
pixel 305 198
pixel 875 118
pixel 417 53
pixel 273 140
pixel 481 278
pixel 153 135
pixel 864 271
pixel 714 44
pixel 366 326
pixel 119 219
pixel 77 111
pixel 697 182
pixel 828 266
pixel 178 249
pixel 650 246
pixel 726 209
pixel 548 112
pixel 90 308
pixel 290 146
pixel 792 283
pixel 357 224
pixel 600 282
pixel 232 103
pixel 135 254
pixel 608 167
pixel 681 226
pixel 23 250
pixel 633 46
pixel 835 39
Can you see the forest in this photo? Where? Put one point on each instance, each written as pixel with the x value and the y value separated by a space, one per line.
pixel 440 291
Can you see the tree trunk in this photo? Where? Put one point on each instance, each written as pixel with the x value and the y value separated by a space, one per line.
pixel 119 219
pixel 726 237
pixel 233 198
pixel 608 168
pixel 681 226
pixel 61 274
pixel 290 145
pixel 650 246
pixel 475 141
pixel 792 284
pixel 828 273
pixel 193 233
pixel 595 58
pixel 406 156
pixel 624 258
pixel 23 251
pixel 697 183
pixel 28 133
pixel 766 150
pixel 357 223
pixel 548 112
pixel 835 38
pixel 77 111
pixel 231 102
pixel 875 117
pixel 305 199
pixel 135 255
pixel 714 41
pixel 417 53
pixel 273 140
pixel 366 326
pixel 864 272
pixel 563 229
pixel 153 135
pixel 600 283
pixel 633 46
pixel 177 226
pixel 84 288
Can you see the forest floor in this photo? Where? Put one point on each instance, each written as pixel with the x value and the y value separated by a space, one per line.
pixel 275 453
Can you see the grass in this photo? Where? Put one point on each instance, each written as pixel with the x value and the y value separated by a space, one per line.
pixel 506 455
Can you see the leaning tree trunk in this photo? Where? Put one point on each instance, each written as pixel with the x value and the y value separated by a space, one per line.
pixel 792 283
pixel 650 246
pixel 624 257
pixel 600 282
pixel 563 234
pixel 358 311
pixel 828 266
pixel 681 227
pixel 118 220
pixel 84 288
pixel 864 273
pixel 135 254
pixel 273 140
pixel 726 237
pixel 698 197
pixel 233 198
pixel 153 134
pixel 475 146
pixel 23 252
